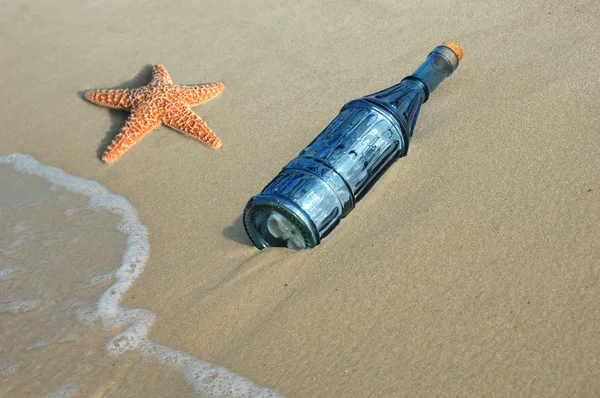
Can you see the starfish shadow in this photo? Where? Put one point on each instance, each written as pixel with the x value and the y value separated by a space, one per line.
pixel 118 117
pixel 237 233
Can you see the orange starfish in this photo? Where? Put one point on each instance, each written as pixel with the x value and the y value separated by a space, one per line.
pixel 159 102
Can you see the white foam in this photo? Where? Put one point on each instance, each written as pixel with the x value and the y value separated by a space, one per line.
pixel 203 376
pixel 17 307
pixel 9 370
pixel 96 280
pixel 68 338
pixel 7 272
pixel 70 212
pixel 20 227
pixel 17 242
pixel 39 343
pixel 206 377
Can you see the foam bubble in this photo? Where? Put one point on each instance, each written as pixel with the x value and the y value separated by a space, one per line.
pixel 204 377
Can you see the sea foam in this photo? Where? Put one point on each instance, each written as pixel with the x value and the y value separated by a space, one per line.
pixel 204 377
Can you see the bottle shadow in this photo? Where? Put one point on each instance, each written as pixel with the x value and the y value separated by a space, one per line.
pixel 237 233
pixel 119 117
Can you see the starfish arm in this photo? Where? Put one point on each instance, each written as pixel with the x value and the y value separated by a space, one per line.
pixel 116 99
pixel 182 118
pixel 160 75
pixel 140 122
pixel 195 95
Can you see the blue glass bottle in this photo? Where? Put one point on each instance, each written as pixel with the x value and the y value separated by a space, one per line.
pixel 309 197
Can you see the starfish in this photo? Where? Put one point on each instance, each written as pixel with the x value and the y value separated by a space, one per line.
pixel 159 102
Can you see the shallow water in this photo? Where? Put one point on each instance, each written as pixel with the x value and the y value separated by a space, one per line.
pixel 69 251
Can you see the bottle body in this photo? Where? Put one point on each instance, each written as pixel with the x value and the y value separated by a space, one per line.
pixel 322 184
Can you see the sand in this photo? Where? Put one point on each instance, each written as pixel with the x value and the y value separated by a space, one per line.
pixel 470 269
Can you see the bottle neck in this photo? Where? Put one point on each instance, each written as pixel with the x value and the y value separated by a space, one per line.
pixel 405 98
pixel 440 64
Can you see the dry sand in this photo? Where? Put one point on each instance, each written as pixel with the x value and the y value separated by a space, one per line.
pixel 472 267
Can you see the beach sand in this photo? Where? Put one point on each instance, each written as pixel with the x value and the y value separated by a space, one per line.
pixel 470 269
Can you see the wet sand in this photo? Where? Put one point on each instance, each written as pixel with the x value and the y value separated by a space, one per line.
pixel 470 268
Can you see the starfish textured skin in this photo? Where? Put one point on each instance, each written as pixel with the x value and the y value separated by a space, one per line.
pixel 159 102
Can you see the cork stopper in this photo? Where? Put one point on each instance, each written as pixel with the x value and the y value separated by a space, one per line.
pixel 454 46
